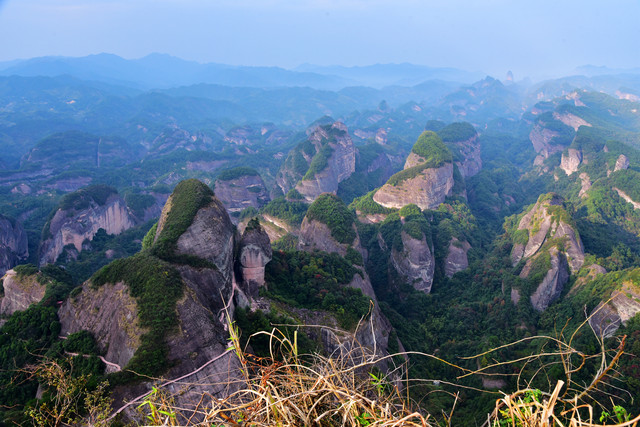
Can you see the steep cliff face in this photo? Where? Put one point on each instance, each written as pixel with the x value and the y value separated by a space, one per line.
pixel 571 161
pixel 20 292
pixel 462 140
pixel 427 178
pixel 609 315
pixel 80 217
pixel 319 164
pixel 553 282
pixel 189 264
pixel 415 263
pixel 254 254
pixel 13 244
pixel 552 243
pixel 456 259
pixel 241 188
pixel 546 221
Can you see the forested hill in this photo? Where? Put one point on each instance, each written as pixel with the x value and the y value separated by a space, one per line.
pixel 462 241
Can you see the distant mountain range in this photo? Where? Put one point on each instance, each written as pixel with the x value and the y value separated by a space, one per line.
pixel 159 71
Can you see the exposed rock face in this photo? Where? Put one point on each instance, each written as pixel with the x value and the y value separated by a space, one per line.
pixel 254 254
pixel 242 192
pixel 332 160
pixel 541 138
pixel 210 237
pixel 622 163
pixel 626 198
pixel 571 161
pixel 585 184
pixel 571 120
pixel 415 263
pixel 427 189
pixel 456 259
pixel 471 162
pixel 623 305
pixel 73 228
pixel 553 283
pixel 543 225
pixel 13 244
pixel 340 165
pixel 315 235
pixel 110 314
pixel 20 292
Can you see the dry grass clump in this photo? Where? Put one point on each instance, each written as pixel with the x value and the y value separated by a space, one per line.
pixel 298 390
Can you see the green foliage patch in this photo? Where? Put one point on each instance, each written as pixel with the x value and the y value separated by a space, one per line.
pixel 319 162
pixel 430 147
pixel 235 173
pixel 456 132
pixel 83 198
pixel 332 211
pixel 291 212
pixel 316 281
pixel 367 205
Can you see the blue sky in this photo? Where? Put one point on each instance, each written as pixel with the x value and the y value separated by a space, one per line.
pixel 543 37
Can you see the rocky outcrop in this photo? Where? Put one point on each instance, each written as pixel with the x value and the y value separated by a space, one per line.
pixel 242 192
pixel 319 164
pixel 553 283
pixel 469 159
pixel 571 161
pixel 415 263
pixel 74 226
pixel 427 177
pixel 541 138
pixel 609 315
pixel 456 259
pixel 622 163
pixel 428 189
pixel 20 292
pixel 110 313
pixel 627 198
pixel 585 185
pixel 316 236
pixel 13 244
pixel 571 120
pixel 545 221
pixel 253 255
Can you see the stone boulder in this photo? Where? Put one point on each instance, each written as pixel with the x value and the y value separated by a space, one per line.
pixel 253 255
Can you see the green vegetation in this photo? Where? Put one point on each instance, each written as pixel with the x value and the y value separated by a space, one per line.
pixel 367 205
pixel 235 173
pixel 330 210
pixel 187 198
pixel 138 202
pixel 627 181
pixel 316 281
pixel 430 147
pixel 83 198
pixel 294 194
pixel 319 162
pixel 156 286
pixel 148 239
pixel 456 132
pixel 291 212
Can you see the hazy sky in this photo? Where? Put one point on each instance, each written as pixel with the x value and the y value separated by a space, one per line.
pixel 529 37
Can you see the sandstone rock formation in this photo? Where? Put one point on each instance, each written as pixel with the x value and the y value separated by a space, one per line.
pixel 319 164
pixel 13 244
pixel 427 178
pixel 553 282
pixel 609 315
pixel 254 254
pixel 415 263
pixel 462 139
pixel 456 259
pixel 622 163
pixel 245 190
pixel 20 292
pixel 571 161
pixel 74 224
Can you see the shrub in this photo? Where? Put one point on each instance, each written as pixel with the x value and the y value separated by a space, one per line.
pixel 332 211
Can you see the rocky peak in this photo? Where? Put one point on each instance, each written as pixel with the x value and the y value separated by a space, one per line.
pixel 462 140
pixel 253 255
pixel 13 244
pixel 426 180
pixel 571 160
pixel 79 217
pixel 20 291
pixel 320 163
pixel 240 188
pixel 622 163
